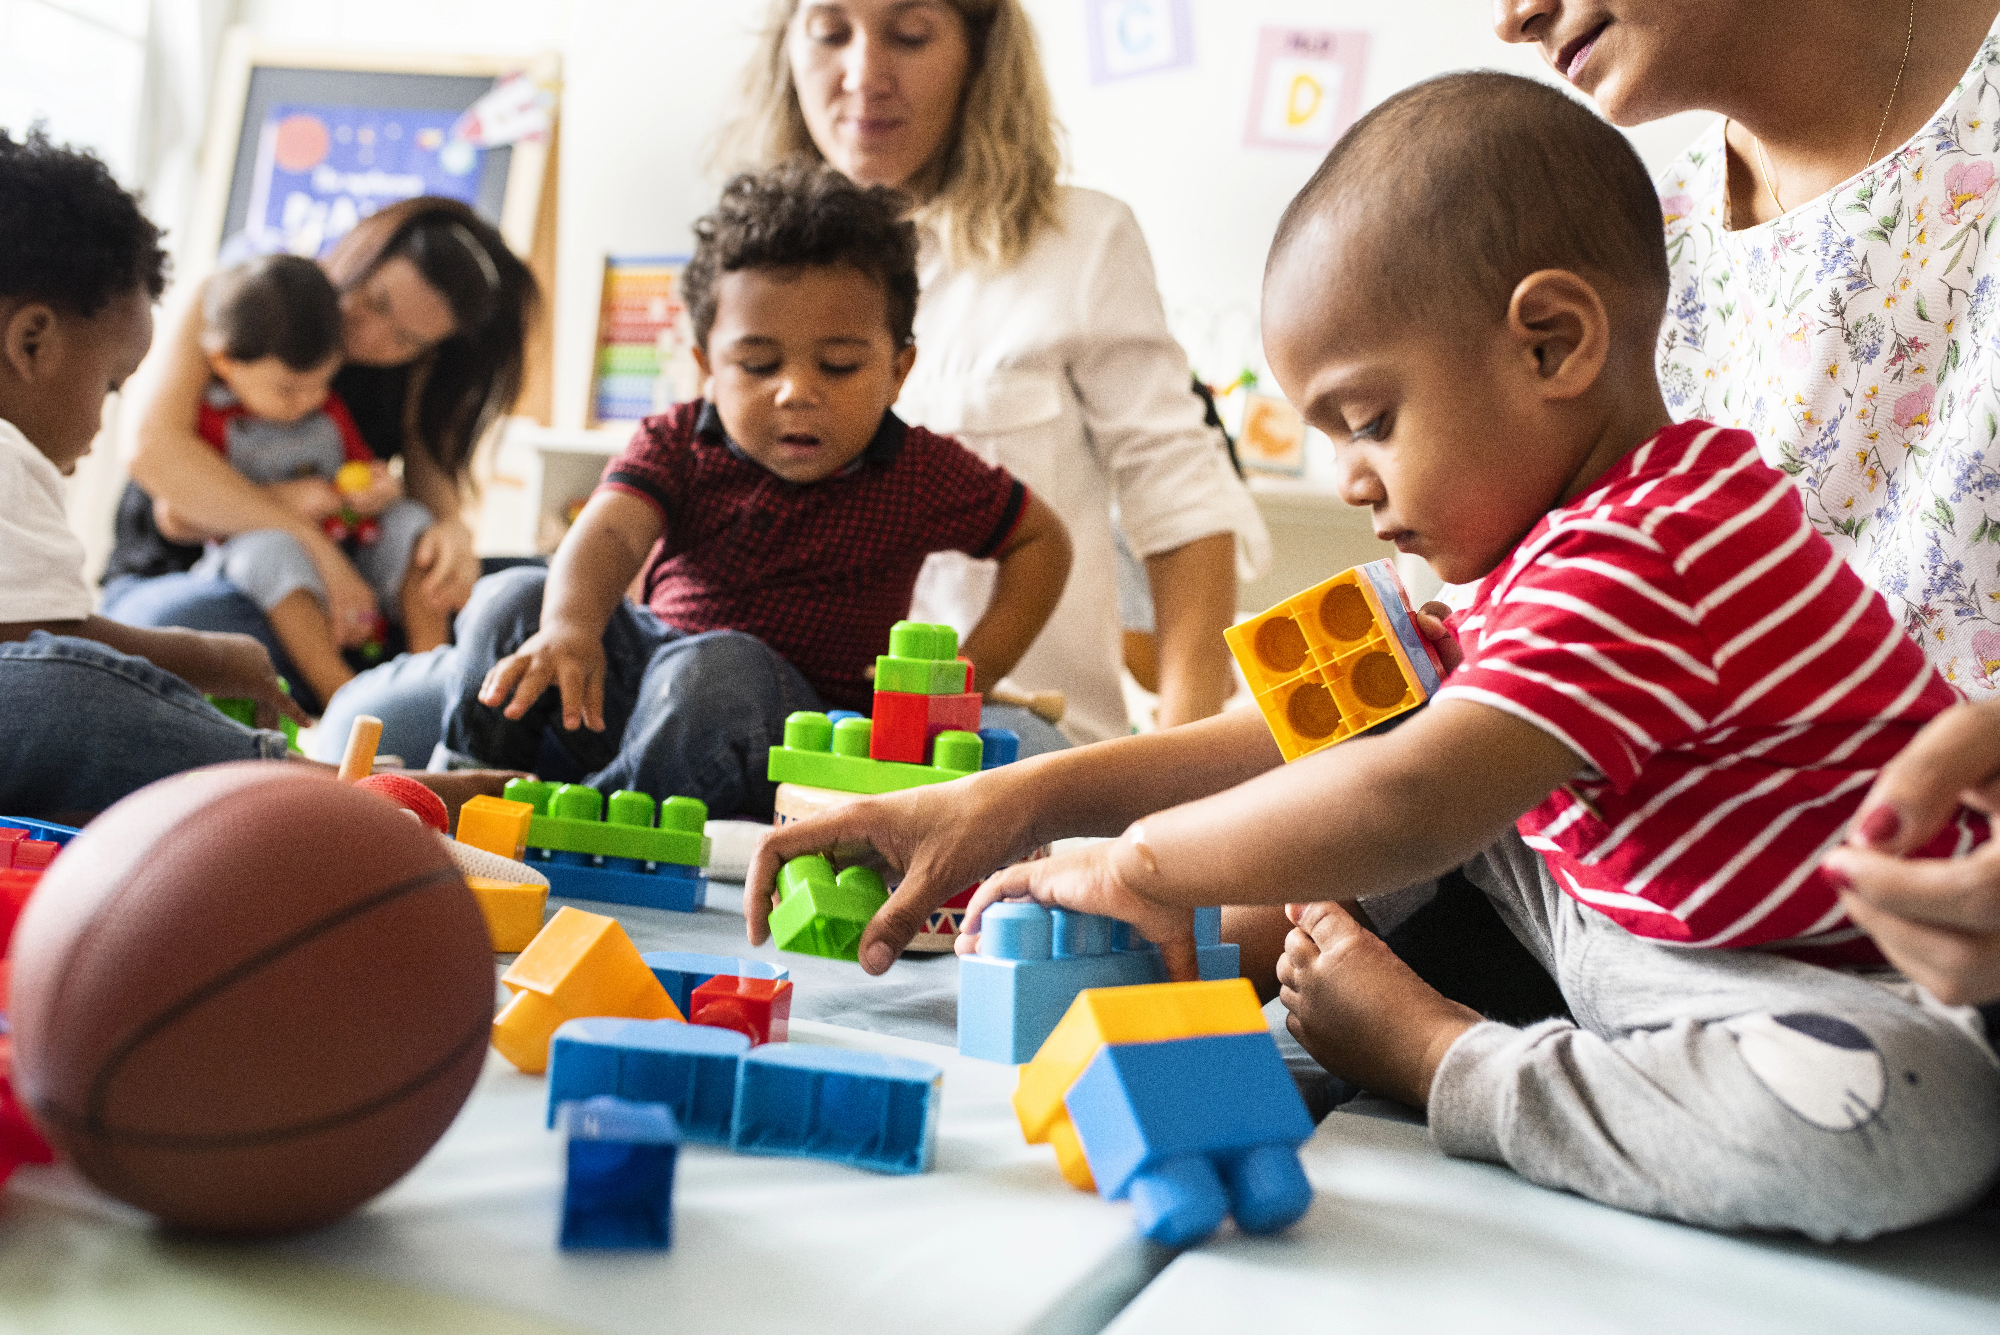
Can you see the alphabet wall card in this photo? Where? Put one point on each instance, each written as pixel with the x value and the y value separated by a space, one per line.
pixel 1307 87
pixel 1129 37
pixel 1273 439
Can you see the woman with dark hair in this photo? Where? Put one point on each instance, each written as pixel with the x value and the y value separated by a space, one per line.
pixel 434 311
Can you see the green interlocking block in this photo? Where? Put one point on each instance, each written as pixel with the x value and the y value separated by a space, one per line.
pixel 569 819
pixel 822 914
pixel 820 755
pixel 244 711
pixel 922 660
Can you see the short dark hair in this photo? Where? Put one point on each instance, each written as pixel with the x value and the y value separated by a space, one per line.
pixel 804 214
pixel 70 235
pixel 1465 184
pixel 281 306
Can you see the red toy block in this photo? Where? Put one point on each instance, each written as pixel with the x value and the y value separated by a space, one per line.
pixel 15 887
pixel 760 1008
pixel 905 723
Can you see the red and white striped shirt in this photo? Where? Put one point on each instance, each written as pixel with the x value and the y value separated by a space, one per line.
pixel 1730 681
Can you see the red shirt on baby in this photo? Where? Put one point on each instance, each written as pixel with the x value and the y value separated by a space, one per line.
pixel 818 571
pixel 1731 682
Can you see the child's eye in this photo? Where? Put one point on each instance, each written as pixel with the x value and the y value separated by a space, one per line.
pixel 832 369
pixel 759 368
pixel 1374 428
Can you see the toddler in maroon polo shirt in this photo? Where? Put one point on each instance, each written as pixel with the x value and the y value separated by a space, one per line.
pixel 780 523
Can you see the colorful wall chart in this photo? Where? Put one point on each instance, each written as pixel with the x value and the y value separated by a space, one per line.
pixel 1129 37
pixel 1307 87
pixel 645 345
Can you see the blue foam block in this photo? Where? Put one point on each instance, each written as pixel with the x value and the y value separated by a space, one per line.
pixel 681 972
pixel 1184 1125
pixel 667 885
pixel 620 1188
pixel 687 1068
pixel 858 1108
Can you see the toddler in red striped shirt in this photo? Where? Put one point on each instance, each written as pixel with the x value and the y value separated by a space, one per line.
pixel 1670 696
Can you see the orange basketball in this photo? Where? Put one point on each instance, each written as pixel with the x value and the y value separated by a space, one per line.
pixel 248 998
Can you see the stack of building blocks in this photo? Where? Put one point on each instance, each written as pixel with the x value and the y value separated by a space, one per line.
pixel 857 1108
pixel 1033 962
pixel 1174 1096
pixel 681 972
pixel 616 856
pixel 26 849
pixel 922 688
pixel 620 1187
pixel 824 754
pixel 580 965
pixel 820 913
pixel 1336 660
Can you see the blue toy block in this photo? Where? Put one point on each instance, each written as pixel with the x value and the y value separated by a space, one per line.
pixel 658 885
pixel 40 829
pixel 620 1191
pixel 999 746
pixel 858 1108
pixel 1032 962
pixel 1192 1130
pixel 687 1068
pixel 681 973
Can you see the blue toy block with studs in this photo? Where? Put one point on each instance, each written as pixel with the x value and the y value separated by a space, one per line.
pixel 1033 961
pixel 620 1187
pixel 681 972
pixel 821 753
pixel 616 856
pixel 859 1108
pixel 1194 1130
pixel 688 1068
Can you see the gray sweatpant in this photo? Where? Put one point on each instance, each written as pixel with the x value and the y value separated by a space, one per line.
pixel 1728 1088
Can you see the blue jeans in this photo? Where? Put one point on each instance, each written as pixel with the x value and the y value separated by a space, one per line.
pixel 82 725
pixel 200 602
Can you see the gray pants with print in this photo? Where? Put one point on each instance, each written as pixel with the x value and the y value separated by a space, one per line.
pixel 1732 1089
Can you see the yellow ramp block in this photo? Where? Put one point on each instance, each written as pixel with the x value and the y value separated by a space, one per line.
pixel 579 965
pixel 496 825
pixel 1148 1013
pixel 513 912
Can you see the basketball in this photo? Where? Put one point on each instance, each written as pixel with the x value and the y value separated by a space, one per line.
pixel 248 998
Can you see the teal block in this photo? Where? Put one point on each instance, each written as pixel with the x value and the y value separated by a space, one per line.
pixel 822 755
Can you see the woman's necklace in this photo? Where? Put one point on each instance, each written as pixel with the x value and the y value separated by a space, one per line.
pixel 1771 180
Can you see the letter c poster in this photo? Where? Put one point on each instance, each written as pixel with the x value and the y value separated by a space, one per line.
pixel 1307 87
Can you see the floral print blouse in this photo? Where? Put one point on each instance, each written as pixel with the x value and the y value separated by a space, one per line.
pixel 1857 337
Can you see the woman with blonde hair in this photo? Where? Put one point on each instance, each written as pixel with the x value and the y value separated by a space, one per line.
pixel 1042 341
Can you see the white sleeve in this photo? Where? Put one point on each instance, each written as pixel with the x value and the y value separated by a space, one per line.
pixel 41 561
pixel 1168 469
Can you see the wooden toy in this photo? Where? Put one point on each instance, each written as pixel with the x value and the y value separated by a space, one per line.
pixel 362 739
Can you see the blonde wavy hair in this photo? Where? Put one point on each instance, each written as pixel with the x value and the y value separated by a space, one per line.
pixel 995 186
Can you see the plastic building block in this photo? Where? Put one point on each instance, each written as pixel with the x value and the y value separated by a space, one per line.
pixel 581 964
pixel 923 660
pixel 660 885
pixel 496 825
pixel 1033 962
pixel 244 711
pixel 572 818
pixel 681 973
pixel 758 1008
pixel 513 912
pixel 1193 1130
pixel 1336 660
pixel 905 723
pixel 999 746
pixel 620 1190
pixel 822 914
pixel 689 1068
pixel 1147 1014
pixel 858 1108
pixel 823 754
pixel 939 934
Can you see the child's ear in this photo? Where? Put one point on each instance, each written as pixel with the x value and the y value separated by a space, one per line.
pixel 28 341
pixel 905 359
pixel 1559 325
pixel 707 372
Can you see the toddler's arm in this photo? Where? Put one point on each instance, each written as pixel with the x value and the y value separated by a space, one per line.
pixel 1034 563
pixel 602 552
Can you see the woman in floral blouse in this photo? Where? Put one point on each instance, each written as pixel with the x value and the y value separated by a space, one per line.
pixel 1836 291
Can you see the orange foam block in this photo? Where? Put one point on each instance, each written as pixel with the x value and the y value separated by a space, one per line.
pixel 578 966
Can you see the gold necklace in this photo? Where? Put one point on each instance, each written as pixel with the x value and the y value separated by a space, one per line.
pixel 1771 181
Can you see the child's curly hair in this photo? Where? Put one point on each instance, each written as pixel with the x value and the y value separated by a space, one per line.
pixel 803 214
pixel 70 235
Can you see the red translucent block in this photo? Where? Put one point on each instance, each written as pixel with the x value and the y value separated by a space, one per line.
pixel 758 1008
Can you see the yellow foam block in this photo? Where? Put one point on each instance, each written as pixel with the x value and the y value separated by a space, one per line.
pixel 513 912
pixel 496 825
pixel 579 965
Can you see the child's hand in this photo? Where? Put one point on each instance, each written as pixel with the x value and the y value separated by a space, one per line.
pixel 383 490
pixel 238 667
pixel 569 660
pixel 1430 623
pixel 1088 881
pixel 312 497
pixel 350 604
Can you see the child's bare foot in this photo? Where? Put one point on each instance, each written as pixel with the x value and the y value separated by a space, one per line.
pixel 1361 1012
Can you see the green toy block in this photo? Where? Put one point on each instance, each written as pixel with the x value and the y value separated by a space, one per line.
pixel 922 660
pixel 820 755
pixel 244 711
pixel 569 818
pixel 821 913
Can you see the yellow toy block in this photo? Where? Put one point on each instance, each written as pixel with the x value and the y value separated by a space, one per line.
pixel 513 912
pixel 1337 659
pixel 496 825
pixel 1146 1013
pixel 579 965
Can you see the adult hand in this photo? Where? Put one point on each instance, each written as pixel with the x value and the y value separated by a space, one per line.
pixel 444 553
pixel 571 660
pixel 1937 919
pixel 238 667
pixel 935 841
pixel 313 497
pixel 1086 880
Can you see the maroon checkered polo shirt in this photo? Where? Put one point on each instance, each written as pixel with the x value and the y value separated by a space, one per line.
pixel 818 571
